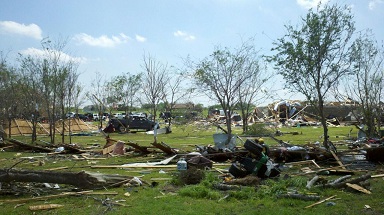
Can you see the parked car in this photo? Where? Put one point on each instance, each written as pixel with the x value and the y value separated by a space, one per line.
pixel 70 114
pixel 89 115
pixel 140 123
pixel 95 117
pixel 82 117
pixel 118 115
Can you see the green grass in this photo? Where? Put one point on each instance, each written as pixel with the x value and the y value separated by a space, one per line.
pixel 190 199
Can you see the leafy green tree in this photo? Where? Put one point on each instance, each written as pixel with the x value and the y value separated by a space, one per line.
pixel 31 95
pixel 9 94
pixel 124 88
pixel 312 56
pixel 48 80
pixel 224 74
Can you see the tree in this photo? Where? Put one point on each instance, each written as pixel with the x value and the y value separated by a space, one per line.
pixel 47 77
pixel 155 79
pixel 98 95
pixel 175 90
pixel 224 74
pixel 311 57
pixel 9 93
pixel 366 84
pixel 256 77
pixel 124 89
pixel 32 98
pixel 133 87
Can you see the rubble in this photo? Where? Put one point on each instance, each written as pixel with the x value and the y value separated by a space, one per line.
pixel 248 164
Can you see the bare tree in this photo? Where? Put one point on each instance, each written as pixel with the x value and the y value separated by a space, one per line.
pixel 311 57
pixel 366 85
pixel 98 95
pixel 155 79
pixel 175 91
pixel 255 78
pixel 73 98
pixel 67 89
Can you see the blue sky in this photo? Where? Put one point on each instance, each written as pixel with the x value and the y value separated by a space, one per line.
pixel 111 36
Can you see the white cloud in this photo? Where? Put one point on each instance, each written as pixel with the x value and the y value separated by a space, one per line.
pixel 310 3
pixel 31 30
pixel 372 4
pixel 102 41
pixel 140 38
pixel 183 35
pixel 125 37
pixel 40 53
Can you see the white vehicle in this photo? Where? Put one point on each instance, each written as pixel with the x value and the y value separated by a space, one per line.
pixel 138 115
pixel 118 115
pixel 70 114
pixel 95 117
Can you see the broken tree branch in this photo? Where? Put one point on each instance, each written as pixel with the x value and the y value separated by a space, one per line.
pixel 300 196
pixel 81 179
pixel 343 184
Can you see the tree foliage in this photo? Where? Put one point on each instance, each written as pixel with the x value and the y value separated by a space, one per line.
pixel 47 79
pixel 224 76
pixel 313 56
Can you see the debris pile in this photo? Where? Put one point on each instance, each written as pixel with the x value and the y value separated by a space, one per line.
pixel 256 162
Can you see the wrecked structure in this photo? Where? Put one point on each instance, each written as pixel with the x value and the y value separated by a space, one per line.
pixel 293 112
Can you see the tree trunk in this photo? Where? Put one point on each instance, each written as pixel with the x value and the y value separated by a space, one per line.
pixel 323 123
pixel 81 179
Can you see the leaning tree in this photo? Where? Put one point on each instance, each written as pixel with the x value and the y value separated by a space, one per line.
pixel 312 56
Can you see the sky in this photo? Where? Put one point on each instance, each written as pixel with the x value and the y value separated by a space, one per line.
pixel 110 37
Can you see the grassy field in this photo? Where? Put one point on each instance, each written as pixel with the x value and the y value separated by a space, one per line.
pixel 166 198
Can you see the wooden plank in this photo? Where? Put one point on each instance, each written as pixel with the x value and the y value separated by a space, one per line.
pixel 109 149
pixel 140 148
pixel 164 147
pixel 358 188
pixel 377 176
pixel 57 168
pixel 337 160
pixel 138 166
pixel 321 201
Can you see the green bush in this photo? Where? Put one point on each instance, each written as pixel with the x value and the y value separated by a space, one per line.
pixel 259 129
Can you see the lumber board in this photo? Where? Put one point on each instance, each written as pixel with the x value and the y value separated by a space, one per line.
pixel 321 201
pixel 337 160
pixel 358 188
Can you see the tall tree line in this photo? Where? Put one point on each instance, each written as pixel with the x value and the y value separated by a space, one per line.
pixel 45 82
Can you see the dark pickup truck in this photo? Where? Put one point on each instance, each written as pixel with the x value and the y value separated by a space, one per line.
pixel 133 122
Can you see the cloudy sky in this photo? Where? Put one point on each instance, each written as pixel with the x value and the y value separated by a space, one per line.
pixel 111 36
